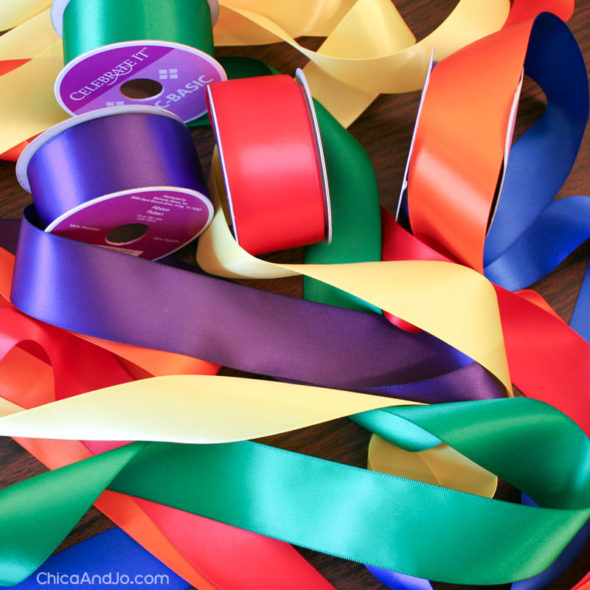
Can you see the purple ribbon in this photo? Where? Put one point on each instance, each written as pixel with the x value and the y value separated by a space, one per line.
pixel 110 295
pixel 106 155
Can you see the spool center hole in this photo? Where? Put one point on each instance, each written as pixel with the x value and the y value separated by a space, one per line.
pixel 141 88
pixel 126 234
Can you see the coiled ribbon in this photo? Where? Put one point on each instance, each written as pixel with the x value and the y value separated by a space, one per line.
pixel 554 61
pixel 158 53
pixel 270 122
pixel 91 180
pixel 431 383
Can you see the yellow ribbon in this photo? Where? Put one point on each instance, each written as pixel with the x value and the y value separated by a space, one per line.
pixel 441 465
pixel 196 409
pixel 368 50
pixel 199 409
pixel 450 301
pixel 14 12
pixel 30 39
pixel 220 409
pixel 27 101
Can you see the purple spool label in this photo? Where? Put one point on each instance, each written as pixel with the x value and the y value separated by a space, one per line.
pixel 165 75
pixel 149 223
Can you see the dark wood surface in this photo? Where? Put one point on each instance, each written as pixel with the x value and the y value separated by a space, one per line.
pixel 384 130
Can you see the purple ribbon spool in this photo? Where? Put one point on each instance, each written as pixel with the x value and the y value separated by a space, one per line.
pixel 126 178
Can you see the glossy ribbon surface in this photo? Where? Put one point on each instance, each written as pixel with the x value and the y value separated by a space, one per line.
pixel 309 505
pixel 90 178
pixel 272 163
pixel 89 25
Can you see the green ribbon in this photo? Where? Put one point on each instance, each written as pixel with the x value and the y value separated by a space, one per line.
pixel 386 521
pixel 37 514
pixel 356 221
pixel 89 24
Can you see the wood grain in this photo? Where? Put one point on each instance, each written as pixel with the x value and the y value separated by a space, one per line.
pixel 385 131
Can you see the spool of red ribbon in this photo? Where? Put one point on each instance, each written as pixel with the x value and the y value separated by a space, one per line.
pixel 272 161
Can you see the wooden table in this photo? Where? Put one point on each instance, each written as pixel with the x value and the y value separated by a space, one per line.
pixel 384 130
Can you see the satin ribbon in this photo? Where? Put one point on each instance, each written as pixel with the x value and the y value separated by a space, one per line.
pixel 156 53
pixel 15 12
pixel 220 254
pixel 215 409
pixel 315 582
pixel 90 179
pixel 30 110
pixel 432 383
pixel 536 364
pixel 572 226
pixel 528 225
pixel 577 107
pixel 273 164
pixel 532 233
pixel 222 410
pixel 308 511
pixel 448 115
pixel 26 379
pixel 88 25
pixel 534 369
pixel 397 581
pixel 347 80
pixel 523 212
pixel 356 235
pixel 354 352
pixel 138 362
pixel 379 356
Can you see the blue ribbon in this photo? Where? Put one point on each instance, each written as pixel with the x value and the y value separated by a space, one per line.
pixel 110 559
pixel 531 232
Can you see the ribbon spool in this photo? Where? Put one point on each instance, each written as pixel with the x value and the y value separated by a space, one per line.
pixel 124 178
pixel 125 52
pixel 272 162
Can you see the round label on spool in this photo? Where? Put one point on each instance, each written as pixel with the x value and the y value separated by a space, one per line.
pixel 168 75
pixel 149 222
